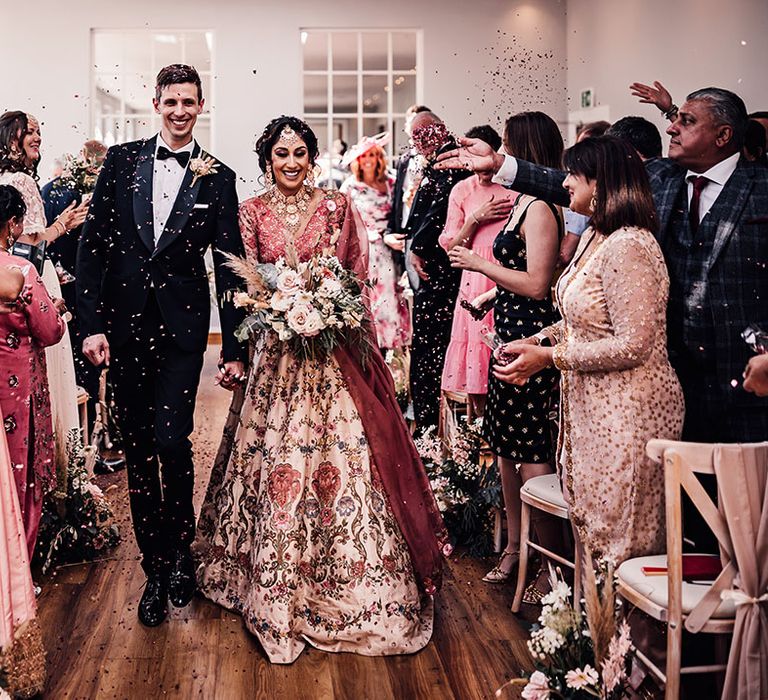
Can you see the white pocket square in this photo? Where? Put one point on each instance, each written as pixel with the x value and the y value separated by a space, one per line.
pixel 200 206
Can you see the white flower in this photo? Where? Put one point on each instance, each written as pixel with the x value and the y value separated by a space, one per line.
pixel 242 299
pixel 581 678
pixel 329 288
pixel 290 282
pixel 201 167
pixel 537 688
pixel 304 320
pixel 281 302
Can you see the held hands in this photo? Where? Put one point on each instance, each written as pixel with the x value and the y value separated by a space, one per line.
pixel 464 259
pixel 396 241
pixel 492 209
pixel 231 375
pixel 96 349
pixel 657 95
pixel 474 154
pixel 418 265
pixel 528 358
pixel 756 375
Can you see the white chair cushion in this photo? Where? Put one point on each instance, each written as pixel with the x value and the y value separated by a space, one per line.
pixel 545 488
pixel 655 587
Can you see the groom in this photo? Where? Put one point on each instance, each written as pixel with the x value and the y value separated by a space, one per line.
pixel 144 304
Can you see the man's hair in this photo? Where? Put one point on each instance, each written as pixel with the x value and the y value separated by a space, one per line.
pixel 485 132
pixel 726 107
pixel 178 73
pixel 758 115
pixel 639 133
pixel 593 128
pixel 415 109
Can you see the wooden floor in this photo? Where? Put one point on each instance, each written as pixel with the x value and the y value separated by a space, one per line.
pixel 98 649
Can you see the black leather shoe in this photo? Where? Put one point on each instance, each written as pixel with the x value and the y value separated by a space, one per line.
pixel 181 580
pixel 153 607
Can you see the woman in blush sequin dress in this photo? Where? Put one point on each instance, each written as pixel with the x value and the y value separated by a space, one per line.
pixel 477 210
pixel 370 189
pixel 618 389
pixel 319 526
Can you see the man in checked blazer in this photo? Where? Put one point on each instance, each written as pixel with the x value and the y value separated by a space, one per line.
pixel 712 207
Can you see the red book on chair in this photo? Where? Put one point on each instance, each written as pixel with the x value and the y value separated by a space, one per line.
pixel 696 567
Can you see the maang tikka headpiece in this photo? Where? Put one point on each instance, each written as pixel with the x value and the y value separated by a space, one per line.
pixel 288 135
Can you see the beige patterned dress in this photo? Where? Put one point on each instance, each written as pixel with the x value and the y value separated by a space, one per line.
pixel 618 390
pixel 296 532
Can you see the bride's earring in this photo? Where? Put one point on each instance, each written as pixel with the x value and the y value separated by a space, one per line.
pixel 309 178
pixel 269 179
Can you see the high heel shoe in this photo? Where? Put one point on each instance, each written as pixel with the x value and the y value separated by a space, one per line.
pixel 499 575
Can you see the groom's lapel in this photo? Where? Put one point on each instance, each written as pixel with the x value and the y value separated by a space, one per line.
pixel 182 207
pixel 143 214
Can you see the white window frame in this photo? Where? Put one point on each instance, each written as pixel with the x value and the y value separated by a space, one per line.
pixel 208 115
pixel 389 72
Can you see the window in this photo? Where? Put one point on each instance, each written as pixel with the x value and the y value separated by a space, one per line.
pixel 124 67
pixel 359 82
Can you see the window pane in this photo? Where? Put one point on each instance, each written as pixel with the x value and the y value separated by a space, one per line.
pixel 374 125
pixel 111 131
pixel 139 128
pixel 167 48
pixel 137 55
pixel 346 130
pixel 404 50
pixel 315 93
pixel 198 50
pixel 203 133
pixel 345 51
pixel 138 93
pixel 374 93
pixel 320 127
pixel 399 137
pixel 107 51
pixel 403 92
pixel 375 51
pixel 315 50
pixel 345 93
pixel 207 84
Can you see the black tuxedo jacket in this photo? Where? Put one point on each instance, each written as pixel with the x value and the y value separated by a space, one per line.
pixel 118 262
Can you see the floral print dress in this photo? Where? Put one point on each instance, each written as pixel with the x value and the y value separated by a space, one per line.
pixel 296 532
pixel 389 308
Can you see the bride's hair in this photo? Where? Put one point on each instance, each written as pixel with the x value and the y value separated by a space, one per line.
pixel 271 135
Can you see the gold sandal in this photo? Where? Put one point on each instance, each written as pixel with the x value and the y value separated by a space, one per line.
pixel 532 595
pixel 497 574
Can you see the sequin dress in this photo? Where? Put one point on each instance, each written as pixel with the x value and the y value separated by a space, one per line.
pixel 618 391
pixel 516 423
pixel 297 532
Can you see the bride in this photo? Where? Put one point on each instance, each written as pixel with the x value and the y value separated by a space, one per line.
pixel 319 525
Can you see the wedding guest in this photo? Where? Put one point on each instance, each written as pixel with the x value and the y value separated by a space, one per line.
pixel 435 283
pixel 31 325
pixel 370 189
pixel 639 133
pixel 618 387
pixel 477 210
pixel 20 141
pixel 516 424
pixel 591 129
pixel 755 143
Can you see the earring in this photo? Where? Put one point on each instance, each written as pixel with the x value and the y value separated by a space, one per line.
pixel 593 203
pixel 269 179
pixel 309 178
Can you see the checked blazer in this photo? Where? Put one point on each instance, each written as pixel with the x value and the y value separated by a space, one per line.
pixel 732 284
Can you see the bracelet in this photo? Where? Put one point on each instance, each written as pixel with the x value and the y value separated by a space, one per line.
pixel 671 113
pixel 63 227
pixel 477 223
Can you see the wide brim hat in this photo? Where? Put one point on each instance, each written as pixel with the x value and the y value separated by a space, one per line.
pixel 364 145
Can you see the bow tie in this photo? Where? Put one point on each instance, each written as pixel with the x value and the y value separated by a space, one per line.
pixel 181 157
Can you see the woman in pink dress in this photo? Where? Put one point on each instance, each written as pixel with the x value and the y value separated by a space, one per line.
pixel 319 525
pixel 370 189
pixel 31 325
pixel 477 210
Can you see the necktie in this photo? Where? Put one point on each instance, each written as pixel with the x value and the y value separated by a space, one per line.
pixel 699 183
pixel 181 157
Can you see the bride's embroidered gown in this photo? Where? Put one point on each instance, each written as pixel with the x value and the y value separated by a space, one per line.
pixel 319 525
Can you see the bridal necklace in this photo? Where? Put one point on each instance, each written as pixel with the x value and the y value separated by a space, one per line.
pixel 290 208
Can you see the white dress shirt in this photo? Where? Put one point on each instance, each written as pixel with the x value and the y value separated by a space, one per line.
pixel 166 182
pixel 507 172
pixel 717 176
pixel 413 171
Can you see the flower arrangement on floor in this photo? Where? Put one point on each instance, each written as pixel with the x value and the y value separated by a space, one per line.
pixel 579 656
pixel 399 362
pixel 80 526
pixel 313 306
pixel 466 491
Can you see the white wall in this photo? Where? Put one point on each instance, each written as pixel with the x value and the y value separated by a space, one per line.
pixel 685 44
pixel 482 60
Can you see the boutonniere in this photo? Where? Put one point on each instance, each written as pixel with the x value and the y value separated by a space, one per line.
pixel 206 165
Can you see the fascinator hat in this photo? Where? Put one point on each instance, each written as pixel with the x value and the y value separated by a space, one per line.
pixel 364 145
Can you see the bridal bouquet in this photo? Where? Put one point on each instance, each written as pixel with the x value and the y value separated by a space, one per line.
pixel 79 173
pixel 312 306
pixel 578 656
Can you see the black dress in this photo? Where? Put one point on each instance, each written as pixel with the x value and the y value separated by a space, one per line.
pixel 516 423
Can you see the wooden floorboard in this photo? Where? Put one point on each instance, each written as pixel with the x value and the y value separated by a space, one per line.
pixel 98 650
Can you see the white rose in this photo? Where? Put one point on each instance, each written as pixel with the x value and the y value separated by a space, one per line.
pixel 281 301
pixel 290 282
pixel 330 288
pixel 305 320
